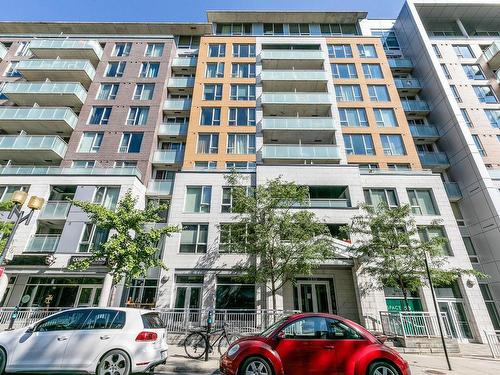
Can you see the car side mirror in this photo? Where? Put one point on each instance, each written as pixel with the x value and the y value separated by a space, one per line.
pixel 381 338
pixel 30 329
pixel 280 335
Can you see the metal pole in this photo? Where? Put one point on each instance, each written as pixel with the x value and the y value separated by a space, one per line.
pixel 434 300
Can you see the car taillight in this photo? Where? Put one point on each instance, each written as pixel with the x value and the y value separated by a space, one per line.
pixel 146 336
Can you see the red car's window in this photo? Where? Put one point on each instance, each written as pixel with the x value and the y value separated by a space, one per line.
pixel 338 330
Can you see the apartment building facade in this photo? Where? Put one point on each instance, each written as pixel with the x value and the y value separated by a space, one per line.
pixel 166 110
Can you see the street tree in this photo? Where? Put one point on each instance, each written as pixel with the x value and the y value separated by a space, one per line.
pixel 282 239
pixel 5 225
pixel 391 249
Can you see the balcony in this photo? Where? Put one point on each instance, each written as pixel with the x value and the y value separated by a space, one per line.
pixel 67 49
pixel 160 187
pixel 173 130
pixel 299 123
pixel 22 149
pixel 168 156
pixel 424 133
pixel 180 84
pixel 436 161
pixel 408 85
pixel 453 191
pixel 294 153
pixel 46 94
pixel 492 55
pixel 415 107
pixel 326 203
pixel 177 105
pixel 184 62
pixel 291 54
pixel 293 75
pixel 3 51
pixel 39 170
pixel 37 120
pixel 43 243
pixel 55 210
pixel 400 65
pixel 58 71
pixel 295 98
pixel 494 174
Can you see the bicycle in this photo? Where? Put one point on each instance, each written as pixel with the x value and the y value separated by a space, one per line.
pixel 195 344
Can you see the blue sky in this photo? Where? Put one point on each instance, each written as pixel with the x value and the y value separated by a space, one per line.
pixel 175 10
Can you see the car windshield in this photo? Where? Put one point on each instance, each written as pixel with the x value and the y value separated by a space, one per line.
pixel 272 328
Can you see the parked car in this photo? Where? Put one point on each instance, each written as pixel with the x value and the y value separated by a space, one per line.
pixel 100 341
pixel 313 344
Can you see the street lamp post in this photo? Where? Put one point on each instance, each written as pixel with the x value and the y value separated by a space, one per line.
pixel 18 198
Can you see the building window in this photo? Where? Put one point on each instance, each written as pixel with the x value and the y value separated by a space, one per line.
pixel 466 117
pixel 429 232
pixel 142 293
pixel 490 305
pixel 234 293
pixel 131 143
pixel 273 29
pixel 205 165
pixel 493 116
pixel 144 91
pixel 154 50
pixel 241 116
pixel 385 117
pixel 215 70
pixel 194 238
pixel 23 49
pixel 367 51
pixel 392 144
pixel 353 117
pixel 446 71
pixel 372 71
pixel 92 238
pixel 378 93
pixel 338 29
pixel 99 115
pixel 479 145
pixel 242 92
pixel 121 49
pixel 243 50
pixel 208 143
pixel 6 191
pixel 340 51
pixel 90 142
pixel 115 69
pixel 188 41
pixel 241 144
pixel 388 39
pixel 198 199
pixel 359 144
pixel 234 29
pixel 83 164
pixel 463 51
pixel 125 164
pixel 348 93
pixel 471 251
pixel 422 202
pixel 138 116
pixel 298 28
pixel 473 71
pixel 399 167
pixel 374 197
pixel 210 116
pixel 240 70
pixel 241 165
pixel 229 235
pixel 456 94
pixel 108 91
pixel 217 50
pixel 149 69
pixel 485 94
pixel 437 51
pixel 12 70
pixel 344 71
pixel 227 198
pixel 212 91
pixel 107 196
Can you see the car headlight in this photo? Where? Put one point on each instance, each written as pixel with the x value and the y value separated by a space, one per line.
pixel 232 350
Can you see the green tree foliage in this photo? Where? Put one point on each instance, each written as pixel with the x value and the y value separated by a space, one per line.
pixel 5 226
pixel 131 249
pixel 388 247
pixel 283 240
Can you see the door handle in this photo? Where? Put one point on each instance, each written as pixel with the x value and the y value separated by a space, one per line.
pixel 329 347
pixel 105 337
pixel 62 338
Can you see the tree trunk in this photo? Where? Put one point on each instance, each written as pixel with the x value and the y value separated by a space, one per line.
pixel 405 296
pixel 273 292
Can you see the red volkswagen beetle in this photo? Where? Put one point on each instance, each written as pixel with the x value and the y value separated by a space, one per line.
pixel 313 344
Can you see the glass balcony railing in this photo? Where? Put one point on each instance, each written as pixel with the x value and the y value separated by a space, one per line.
pixel 326 203
pixel 298 123
pixel 296 98
pixel 66 48
pixel 293 75
pixel 55 210
pixel 57 65
pixel 160 187
pixel 269 54
pixel 3 51
pixel 35 90
pixel 35 170
pixel 180 82
pixel 33 143
pixel 407 84
pixel 415 106
pixel 453 191
pixel 424 131
pixel 173 130
pixel 400 64
pixel 43 243
pixel 168 156
pixel 38 114
pixel 184 62
pixel 434 159
pixel 177 104
pixel 300 152
pixel 492 55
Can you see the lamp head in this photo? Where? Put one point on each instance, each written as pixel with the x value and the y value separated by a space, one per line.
pixel 19 197
pixel 35 203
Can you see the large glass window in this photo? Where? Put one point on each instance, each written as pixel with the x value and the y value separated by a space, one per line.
pixel 242 92
pixel 212 91
pixel 154 50
pixel 463 51
pixel 243 50
pixel 473 71
pixel 216 50
pixel 273 29
pixel 456 94
pixel 131 143
pixel 493 116
pixel 149 69
pixel 466 117
pixel 234 293
pixel 142 293
pixel 215 70
pixel 429 232
pixel 90 142
pixel 210 116
pixel 234 29
pixel 338 29
pixel 208 143
pixel 188 41
pixel 392 144
pixel 230 235
pixel 479 145
pixel 92 238
pixel 99 115
pixel 6 191
pixel 194 238
pixel 353 117
pixel 372 71
pixel 107 196
pixel 359 144
pixel 348 93
pixel 490 305
pixel 241 116
pixel 344 71
pixel 122 49
pixel 241 143
pixel 375 196
pixel 378 93
pixel 340 51
pixel 485 94
pixel 422 202
pixel 298 28
pixel 367 51
pixel 138 116
pixel 388 39
pixel 471 250
pixel 243 70
pixel 144 91
pixel 115 69
pixel 107 91
pixel 198 199
pixel 385 117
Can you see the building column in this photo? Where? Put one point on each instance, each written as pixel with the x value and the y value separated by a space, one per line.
pixel 462 27
pixel 107 288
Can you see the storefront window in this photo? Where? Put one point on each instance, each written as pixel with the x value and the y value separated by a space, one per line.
pixel 234 293
pixel 142 293
pixel 395 301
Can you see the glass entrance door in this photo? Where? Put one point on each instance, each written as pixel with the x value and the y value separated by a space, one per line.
pixel 314 296
pixel 188 297
pixel 459 324
pixel 88 296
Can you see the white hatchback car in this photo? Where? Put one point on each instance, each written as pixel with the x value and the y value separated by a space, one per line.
pixel 102 341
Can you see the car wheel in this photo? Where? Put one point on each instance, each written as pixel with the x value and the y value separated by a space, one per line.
pixel 256 366
pixel 3 361
pixel 115 362
pixel 382 368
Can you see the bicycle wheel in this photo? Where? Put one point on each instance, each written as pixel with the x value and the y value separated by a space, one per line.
pixel 225 341
pixel 195 345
